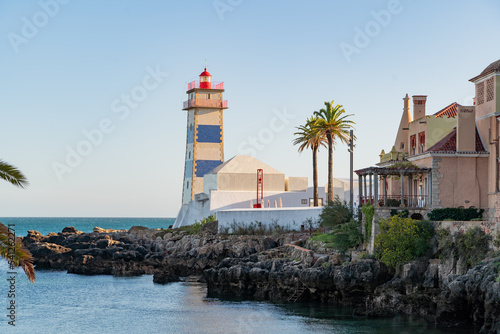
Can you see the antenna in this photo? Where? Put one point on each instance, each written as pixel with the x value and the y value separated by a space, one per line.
pixel 205 63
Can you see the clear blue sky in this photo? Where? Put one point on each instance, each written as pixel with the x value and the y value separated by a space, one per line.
pixel 65 69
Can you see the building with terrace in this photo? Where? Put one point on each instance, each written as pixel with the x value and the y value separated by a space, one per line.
pixel 446 159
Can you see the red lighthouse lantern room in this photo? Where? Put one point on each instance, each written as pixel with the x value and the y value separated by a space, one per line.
pixel 205 80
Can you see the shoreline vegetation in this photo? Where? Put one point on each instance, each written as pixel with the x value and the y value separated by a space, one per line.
pixel 447 279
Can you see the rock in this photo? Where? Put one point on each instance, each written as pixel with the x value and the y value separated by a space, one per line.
pixel 135 229
pixel 32 237
pixel 165 276
pixel 70 230
pixel 105 243
pixel 106 230
pixel 44 249
pixel 210 227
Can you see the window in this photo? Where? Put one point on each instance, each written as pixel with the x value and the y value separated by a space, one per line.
pixel 480 93
pixel 402 146
pixel 303 201
pixel 189 155
pixel 208 96
pixel 490 92
pixel 413 144
pixel 311 201
pixel 421 142
pixel 187 184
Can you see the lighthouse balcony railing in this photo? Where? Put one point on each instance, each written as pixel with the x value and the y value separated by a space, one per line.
pixel 213 85
pixel 193 103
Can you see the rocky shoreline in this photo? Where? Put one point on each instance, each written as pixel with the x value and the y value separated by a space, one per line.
pixel 138 251
pixel 272 268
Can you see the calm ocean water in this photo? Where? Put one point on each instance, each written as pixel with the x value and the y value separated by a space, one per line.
pixel 66 303
pixel 46 225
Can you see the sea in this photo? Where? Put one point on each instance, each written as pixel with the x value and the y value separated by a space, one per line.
pixel 60 303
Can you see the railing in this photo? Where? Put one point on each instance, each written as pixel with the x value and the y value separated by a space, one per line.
pixel 411 201
pixel 214 85
pixel 204 103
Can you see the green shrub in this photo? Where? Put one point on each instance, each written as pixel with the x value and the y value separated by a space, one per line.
pixel 460 214
pixel 402 240
pixel 401 213
pixel 335 213
pixel 476 219
pixel 496 242
pixel 366 256
pixel 257 228
pixel 343 237
pixel 196 227
pixel 472 245
pixel 368 212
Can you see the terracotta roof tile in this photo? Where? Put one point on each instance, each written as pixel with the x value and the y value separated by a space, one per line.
pixel 450 111
pixel 449 143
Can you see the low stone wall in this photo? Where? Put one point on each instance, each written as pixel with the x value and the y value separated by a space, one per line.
pixel 489 227
pixel 292 218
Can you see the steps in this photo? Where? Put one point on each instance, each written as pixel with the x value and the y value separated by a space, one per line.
pixel 297 294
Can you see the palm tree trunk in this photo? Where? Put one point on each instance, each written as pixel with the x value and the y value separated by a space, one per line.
pixel 315 176
pixel 330 167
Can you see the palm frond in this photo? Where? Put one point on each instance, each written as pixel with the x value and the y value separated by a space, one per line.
pixel 13 175
pixel 16 253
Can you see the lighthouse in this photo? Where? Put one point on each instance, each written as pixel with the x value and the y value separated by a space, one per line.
pixel 204 139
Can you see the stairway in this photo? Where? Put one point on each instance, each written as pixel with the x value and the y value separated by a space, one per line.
pixel 297 294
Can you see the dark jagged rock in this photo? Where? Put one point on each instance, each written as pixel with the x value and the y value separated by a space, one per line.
pixel 424 288
pixel 138 251
pixel 70 230
pixel 165 276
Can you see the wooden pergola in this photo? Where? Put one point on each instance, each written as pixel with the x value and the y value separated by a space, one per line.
pixel 369 193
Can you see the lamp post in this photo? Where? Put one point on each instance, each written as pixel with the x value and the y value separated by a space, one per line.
pixel 351 147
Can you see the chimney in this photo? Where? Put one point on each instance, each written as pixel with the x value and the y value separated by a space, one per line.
pixel 466 129
pixel 419 106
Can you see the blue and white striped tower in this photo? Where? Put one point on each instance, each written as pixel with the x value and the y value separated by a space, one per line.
pixel 205 140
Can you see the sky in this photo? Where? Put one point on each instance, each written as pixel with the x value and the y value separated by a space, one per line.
pixel 91 92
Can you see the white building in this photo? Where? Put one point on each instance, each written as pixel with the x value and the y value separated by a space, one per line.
pixel 233 186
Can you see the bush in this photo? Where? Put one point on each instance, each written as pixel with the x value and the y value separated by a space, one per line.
pixel 196 227
pixel 402 213
pixel 402 240
pixel 343 237
pixel 472 245
pixel 256 228
pixel 460 214
pixel 368 212
pixel 335 213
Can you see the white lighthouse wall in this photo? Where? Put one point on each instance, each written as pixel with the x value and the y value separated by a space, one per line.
pixel 227 200
pixel 292 218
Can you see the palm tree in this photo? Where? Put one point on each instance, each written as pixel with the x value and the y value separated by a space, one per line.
pixel 11 247
pixel 309 137
pixel 333 125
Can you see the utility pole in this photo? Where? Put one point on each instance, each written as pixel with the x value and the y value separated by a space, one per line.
pixel 351 148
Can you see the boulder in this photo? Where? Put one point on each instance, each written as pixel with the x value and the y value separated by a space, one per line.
pixel 45 249
pixel 70 230
pixel 164 276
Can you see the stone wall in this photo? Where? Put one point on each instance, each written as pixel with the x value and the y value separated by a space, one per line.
pixel 489 227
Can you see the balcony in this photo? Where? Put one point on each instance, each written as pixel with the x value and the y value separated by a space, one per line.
pixel 214 85
pixel 195 103
pixel 409 201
